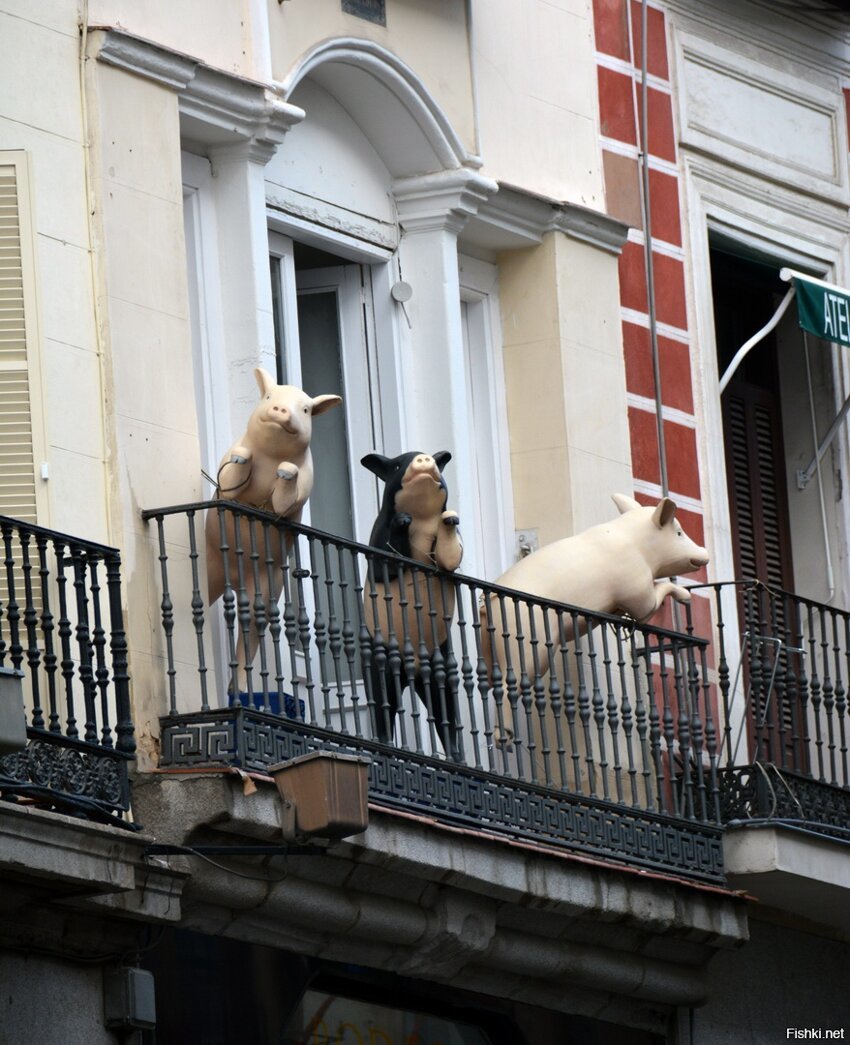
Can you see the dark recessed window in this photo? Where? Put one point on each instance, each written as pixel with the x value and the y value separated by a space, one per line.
pixel 371 10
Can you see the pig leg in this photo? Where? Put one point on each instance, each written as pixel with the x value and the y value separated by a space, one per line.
pixel 235 472
pixel 290 491
pixel 449 549
pixel 665 588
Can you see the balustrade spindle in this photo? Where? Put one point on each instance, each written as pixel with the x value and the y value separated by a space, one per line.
pixel 815 692
pixel 597 704
pixel 627 717
pixel 229 602
pixel 197 604
pixel 683 729
pixel 302 620
pixel 126 742
pixel 467 673
pixel 555 701
pixel 33 653
pixel 840 702
pixel 320 632
pixel 584 708
pixel 828 693
pixel 47 628
pixel 99 646
pixel 613 714
pixel 260 618
pixel 570 705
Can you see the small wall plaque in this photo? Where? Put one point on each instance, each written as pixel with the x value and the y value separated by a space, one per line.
pixel 370 10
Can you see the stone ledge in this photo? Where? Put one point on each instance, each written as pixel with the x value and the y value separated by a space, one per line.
pixel 446 904
pixel 62 858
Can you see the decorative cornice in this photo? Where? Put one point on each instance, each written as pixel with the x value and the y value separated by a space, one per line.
pixel 218 108
pixel 590 226
pixel 515 218
pixel 444 200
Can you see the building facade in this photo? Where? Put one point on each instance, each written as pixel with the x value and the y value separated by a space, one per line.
pixel 533 234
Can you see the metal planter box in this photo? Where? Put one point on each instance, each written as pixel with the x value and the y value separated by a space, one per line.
pixel 325 794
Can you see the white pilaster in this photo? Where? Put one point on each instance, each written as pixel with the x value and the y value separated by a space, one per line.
pixel 432 210
pixel 246 300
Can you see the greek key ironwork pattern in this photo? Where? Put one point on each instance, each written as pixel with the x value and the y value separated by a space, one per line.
pixel 71 777
pixel 762 791
pixel 446 791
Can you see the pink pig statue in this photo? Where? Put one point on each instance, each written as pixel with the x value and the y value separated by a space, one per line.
pixel 270 468
pixel 610 568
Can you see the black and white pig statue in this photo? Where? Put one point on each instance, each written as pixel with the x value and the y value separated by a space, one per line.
pixel 407 612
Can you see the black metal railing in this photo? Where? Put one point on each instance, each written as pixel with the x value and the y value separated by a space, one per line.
pixel 783 665
pixel 62 632
pixel 476 703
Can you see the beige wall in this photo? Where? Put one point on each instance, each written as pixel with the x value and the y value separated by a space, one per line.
pixel 219 32
pixel 536 84
pixel 46 121
pixel 565 385
pixel 153 442
pixel 428 35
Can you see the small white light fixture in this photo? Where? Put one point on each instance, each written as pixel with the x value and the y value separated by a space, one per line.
pixel 401 292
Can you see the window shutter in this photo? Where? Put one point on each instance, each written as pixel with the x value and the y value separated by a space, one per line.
pixel 18 491
pixel 755 466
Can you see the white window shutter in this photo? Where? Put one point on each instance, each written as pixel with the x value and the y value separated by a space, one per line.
pixel 18 484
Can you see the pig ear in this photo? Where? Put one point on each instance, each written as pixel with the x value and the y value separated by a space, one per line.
pixel 323 403
pixel 265 381
pixel 624 503
pixel 442 457
pixel 664 512
pixel 381 466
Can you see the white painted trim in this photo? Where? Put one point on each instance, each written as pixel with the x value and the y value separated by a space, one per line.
pixel 220 106
pixel 399 79
pixel 444 200
pixel 633 153
pixel 479 284
pixel 727 60
pixel 209 362
pixel 338 238
pixel 659 246
pixel 688 504
pixel 515 218
pixel 641 319
pixel 622 65
pixel 669 413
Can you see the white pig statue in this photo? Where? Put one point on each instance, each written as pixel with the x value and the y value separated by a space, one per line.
pixel 270 468
pixel 610 568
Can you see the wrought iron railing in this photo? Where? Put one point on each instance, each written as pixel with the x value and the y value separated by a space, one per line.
pixel 62 631
pixel 476 703
pixel 783 665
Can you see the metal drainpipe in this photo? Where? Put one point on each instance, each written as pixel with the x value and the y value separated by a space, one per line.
pixel 646 214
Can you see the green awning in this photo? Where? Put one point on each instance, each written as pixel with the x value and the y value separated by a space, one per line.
pixel 822 309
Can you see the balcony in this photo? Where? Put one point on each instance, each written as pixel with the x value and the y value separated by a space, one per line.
pixel 782 670
pixel 478 706
pixel 62 633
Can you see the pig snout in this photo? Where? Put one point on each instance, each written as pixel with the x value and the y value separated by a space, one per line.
pixel 686 554
pixel 283 415
pixel 423 465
